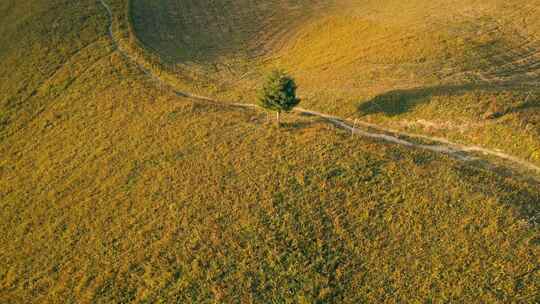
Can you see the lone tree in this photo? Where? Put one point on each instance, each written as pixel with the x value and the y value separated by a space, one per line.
pixel 279 93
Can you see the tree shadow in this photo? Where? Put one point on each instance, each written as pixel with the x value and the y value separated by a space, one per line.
pixel 397 102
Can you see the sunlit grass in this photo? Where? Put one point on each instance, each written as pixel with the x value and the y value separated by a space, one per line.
pixel 346 54
pixel 113 189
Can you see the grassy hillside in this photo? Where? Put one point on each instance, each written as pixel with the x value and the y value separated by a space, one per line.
pixel 113 190
pixel 44 48
pixel 432 67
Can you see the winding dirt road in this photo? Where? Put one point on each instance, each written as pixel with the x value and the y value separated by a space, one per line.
pixel 442 145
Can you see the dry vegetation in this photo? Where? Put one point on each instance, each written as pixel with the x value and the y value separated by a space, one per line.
pixel 114 190
pixel 389 62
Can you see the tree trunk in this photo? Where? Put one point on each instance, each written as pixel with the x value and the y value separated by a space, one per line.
pixel 277 118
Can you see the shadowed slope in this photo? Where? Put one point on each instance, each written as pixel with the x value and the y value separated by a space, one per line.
pixel 210 31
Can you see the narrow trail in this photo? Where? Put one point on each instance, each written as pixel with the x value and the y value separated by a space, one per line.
pixel 458 151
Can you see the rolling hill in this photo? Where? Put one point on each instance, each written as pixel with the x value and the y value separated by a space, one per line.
pixel 116 187
pixel 429 67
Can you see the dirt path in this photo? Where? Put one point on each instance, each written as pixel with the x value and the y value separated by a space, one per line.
pixel 442 145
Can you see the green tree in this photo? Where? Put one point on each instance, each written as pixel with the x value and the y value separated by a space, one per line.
pixel 279 93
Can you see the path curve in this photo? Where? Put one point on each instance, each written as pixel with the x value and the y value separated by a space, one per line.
pixel 444 146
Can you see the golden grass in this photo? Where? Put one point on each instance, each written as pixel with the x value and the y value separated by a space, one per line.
pixel 115 190
pixel 346 54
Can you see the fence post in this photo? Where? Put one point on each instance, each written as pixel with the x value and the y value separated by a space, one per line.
pixel 354 127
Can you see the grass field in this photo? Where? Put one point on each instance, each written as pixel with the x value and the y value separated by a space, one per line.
pixel 432 67
pixel 113 189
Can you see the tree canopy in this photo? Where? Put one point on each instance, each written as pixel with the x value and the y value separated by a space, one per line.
pixel 279 93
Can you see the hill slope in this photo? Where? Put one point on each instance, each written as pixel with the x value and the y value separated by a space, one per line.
pixel 430 67
pixel 115 189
